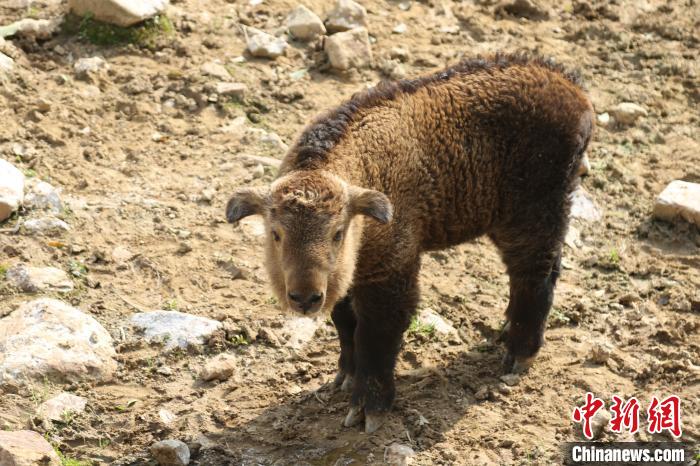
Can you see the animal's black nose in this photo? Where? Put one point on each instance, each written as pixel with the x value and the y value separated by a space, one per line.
pixel 305 301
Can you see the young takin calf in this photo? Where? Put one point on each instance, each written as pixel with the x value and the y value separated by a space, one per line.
pixel 490 146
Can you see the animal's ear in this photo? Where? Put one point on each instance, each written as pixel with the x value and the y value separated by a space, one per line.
pixel 245 202
pixel 371 203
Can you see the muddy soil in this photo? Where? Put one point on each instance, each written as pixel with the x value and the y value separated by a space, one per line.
pixel 147 160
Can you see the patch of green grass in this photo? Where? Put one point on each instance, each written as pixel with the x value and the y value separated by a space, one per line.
pixel 66 461
pixel 239 340
pixel 146 34
pixel 171 305
pixel 29 172
pixel 420 328
pixel 557 318
pixel 3 270
pixel 32 12
pixel 614 256
pixel 77 269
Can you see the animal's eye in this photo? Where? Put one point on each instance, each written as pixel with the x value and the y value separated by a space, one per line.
pixel 275 235
pixel 338 236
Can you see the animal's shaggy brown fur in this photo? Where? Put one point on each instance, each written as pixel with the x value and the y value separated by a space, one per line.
pixel 488 146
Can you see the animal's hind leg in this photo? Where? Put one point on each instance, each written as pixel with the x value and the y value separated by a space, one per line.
pixel 345 322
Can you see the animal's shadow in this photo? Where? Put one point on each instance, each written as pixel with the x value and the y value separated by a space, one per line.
pixel 306 429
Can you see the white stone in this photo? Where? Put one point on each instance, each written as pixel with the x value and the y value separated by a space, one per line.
pixel 585 167
pixel 47 338
pixel 166 416
pixel 11 189
pixel 679 199
pixel 28 27
pixel 400 28
pixel 428 317
pixel 583 207
pixel 220 367
pixel 174 329
pixel 627 113
pixel 62 405
pixel 252 227
pixel 237 90
pixel 120 12
pixel 41 195
pixel 350 49
pixel 35 279
pixel 601 352
pixel 45 226
pixel 26 448
pixel 604 119
pixel 346 15
pixel 215 69
pixel 89 65
pixel 303 24
pixel 262 44
pixel 260 160
pixel 300 330
pixel 171 453
pixel 6 63
pixel 398 455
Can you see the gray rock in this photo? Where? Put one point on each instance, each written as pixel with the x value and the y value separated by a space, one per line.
pixel 346 15
pixel 220 367
pixel 45 226
pixel 175 329
pixel 262 44
pixel 236 90
pixel 510 379
pixel 120 12
pixel 85 66
pixel 530 9
pixel 350 49
pixel 11 189
pixel 679 199
pixel 171 453
pixel 47 338
pixel 61 405
pixel 583 207
pixel 482 393
pixel 216 70
pixel 397 454
pixel 26 448
pixel 35 279
pixel 303 24
pixel 41 195
pixel 627 113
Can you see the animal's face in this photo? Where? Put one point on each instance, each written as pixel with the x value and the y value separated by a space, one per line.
pixel 313 232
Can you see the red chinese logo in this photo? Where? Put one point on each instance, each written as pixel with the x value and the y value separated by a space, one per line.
pixel 586 412
pixel 665 415
pixel 624 415
pixel 661 415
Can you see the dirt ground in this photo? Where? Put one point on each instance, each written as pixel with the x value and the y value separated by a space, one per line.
pixel 134 148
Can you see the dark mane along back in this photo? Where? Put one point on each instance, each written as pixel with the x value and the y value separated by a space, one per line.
pixel 319 138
